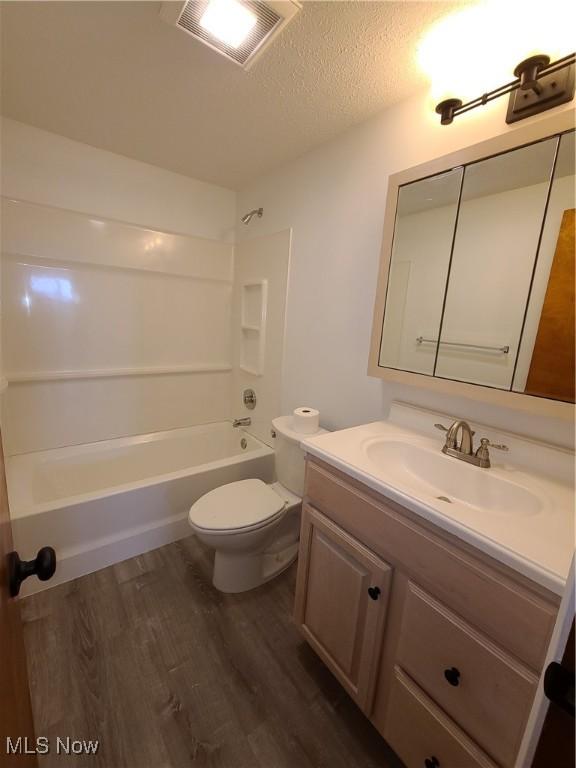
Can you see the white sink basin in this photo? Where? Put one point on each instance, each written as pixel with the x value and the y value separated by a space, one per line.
pixel 433 475
pixel 519 511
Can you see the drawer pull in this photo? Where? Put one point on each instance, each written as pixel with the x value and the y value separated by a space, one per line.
pixel 452 675
pixel 432 762
pixel 374 592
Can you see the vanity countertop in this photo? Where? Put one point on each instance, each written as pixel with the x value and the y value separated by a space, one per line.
pixel 513 511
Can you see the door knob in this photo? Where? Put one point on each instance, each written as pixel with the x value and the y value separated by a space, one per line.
pixel 374 592
pixel 452 675
pixel 559 686
pixel 43 566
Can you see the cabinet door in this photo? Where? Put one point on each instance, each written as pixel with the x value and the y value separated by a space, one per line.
pixel 341 598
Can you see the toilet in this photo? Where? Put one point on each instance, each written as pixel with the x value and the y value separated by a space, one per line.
pixel 252 526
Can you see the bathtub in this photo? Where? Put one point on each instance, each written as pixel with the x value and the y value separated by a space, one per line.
pixel 100 503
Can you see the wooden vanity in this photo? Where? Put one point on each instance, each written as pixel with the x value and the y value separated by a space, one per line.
pixel 440 645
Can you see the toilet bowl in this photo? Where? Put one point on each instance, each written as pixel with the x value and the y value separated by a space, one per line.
pixel 254 527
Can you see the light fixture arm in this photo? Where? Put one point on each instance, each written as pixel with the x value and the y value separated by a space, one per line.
pixel 528 74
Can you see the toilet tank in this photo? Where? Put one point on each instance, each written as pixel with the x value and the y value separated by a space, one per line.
pixel 289 457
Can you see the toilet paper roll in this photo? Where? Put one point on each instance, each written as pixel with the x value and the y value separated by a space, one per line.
pixel 306 421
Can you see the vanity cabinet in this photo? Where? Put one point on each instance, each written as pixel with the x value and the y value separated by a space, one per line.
pixel 342 597
pixel 445 662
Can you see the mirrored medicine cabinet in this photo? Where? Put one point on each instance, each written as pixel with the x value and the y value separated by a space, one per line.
pixel 476 284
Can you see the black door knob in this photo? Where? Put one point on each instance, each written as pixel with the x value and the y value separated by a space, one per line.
pixel 452 675
pixel 559 686
pixel 374 592
pixel 432 762
pixel 43 566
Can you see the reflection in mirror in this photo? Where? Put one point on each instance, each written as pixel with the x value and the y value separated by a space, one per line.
pixel 501 213
pixel 546 360
pixel 425 219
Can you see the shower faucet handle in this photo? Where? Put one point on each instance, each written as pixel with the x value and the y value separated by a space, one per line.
pixel 249 399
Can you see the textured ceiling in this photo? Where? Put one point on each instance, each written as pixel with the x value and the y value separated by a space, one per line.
pixel 113 75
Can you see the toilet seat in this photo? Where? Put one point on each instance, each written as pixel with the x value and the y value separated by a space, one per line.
pixel 236 507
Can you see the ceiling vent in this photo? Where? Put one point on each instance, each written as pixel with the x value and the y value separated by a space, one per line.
pixel 238 29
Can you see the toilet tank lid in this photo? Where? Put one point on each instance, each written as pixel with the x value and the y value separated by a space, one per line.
pixel 283 425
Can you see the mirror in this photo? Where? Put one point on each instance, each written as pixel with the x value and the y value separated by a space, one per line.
pixel 480 285
pixel 546 359
pixel 495 248
pixel 423 233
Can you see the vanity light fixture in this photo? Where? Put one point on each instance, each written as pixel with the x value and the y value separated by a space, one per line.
pixel 539 85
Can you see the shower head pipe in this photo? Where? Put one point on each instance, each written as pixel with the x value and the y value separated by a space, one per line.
pixel 247 218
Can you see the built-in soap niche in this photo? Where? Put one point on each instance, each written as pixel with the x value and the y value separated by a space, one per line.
pixel 253 326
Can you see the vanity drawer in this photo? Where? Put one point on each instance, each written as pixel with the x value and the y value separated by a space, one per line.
pixel 489 596
pixel 487 692
pixel 421 734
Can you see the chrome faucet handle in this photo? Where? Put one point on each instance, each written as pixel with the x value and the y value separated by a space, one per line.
pixel 485 443
pixel 483 454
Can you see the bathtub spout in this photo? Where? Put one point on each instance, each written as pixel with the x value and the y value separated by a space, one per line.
pixel 245 422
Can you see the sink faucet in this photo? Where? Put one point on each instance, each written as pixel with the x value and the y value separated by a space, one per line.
pixel 245 422
pixel 466 441
pixel 465 449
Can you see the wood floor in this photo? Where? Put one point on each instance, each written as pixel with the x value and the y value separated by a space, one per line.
pixel 148 658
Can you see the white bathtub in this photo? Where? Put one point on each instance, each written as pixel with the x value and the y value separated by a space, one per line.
pixel 100 503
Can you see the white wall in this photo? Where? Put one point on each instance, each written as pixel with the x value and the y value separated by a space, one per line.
pixel 117 285
pixel 334 198
pixel 44 167
pixel 261 258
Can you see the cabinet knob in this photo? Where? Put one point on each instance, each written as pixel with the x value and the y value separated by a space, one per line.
pixel 452 675
pixel 374 593
pixel 432 762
